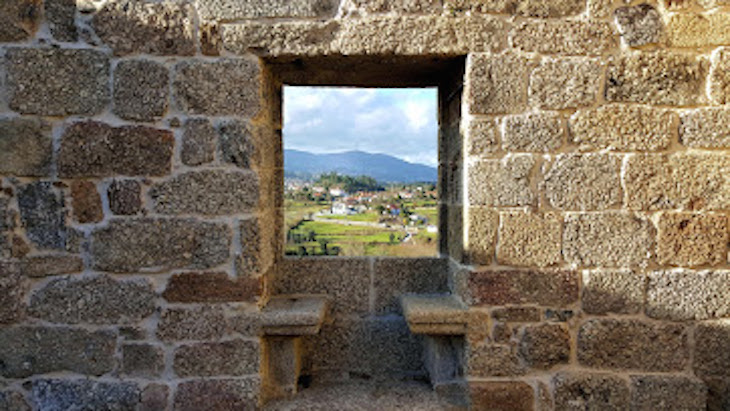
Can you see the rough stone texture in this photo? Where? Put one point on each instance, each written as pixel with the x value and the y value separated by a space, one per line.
pixel 483 137
pixel 61 15
pixel 720 77
pixel 236 144
pixel 199 142
pixel 13 401
pixel 25 147
pixel 125 197
pixel 545 346
pixel 565 83
pixel 691 239
pixel 502 396
pixel 718 394
pixel 612 239
pixel 517 314
pixel 141 89
pixel 223 10
pixel 154 397
pixel 482 232
pixel 501 287
pixel 699 30
pixel 48 265
pixel 639 25
pixel 230 358
pixel 130 26
pixel 12 295
pixel 533 132
pixel 201 323
pixel 142 360
pixel 210 39
pixel 157 244
pixel 711 359
pixel 208 192
pixel 211 288
pixel 254 254
pixel 95 300
pixel 501 183
pixel 223 87
pixel 43 215
pixel 706 128
pixel 493 360
pixel 497 84
pixel 93 149
pixel 584 391
pixel 688 295
pixel 659 78
pixel 584 182
pixel 613 291
pixel 86 202
pixel 217 395
pixel 400 6
pixel 564 37
pixel 281 38
pixel 57 82
pixel 396 276
pixel 19 19
pixel 25 351
pixel 529 239
pixel 633 345
pixel 649 393
pixel 80 394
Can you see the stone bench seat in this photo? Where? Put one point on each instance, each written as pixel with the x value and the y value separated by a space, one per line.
pixel 294 315
pixel 435 314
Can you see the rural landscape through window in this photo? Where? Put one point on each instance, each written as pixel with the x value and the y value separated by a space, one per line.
pixel 360 171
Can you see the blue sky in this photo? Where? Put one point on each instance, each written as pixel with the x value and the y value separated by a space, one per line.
pixel 399 122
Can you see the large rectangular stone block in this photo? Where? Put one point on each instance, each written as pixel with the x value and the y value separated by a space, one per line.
pixel 706 128
pixel 141 90
pixel 531 132
pixel 699 30
pixel 211 288
pixel 505 287
pixel 711 358
pixel 227 358
pixel 564 37
pixel 720 76
pixel 218 88
pixel 688 295
pixel 590 391
pixel 228 10
pixel 142 360
pixel 43 214
pixel 692 239
pixel 565 182
pixel 497 84
pixel 565 83
pixel 502 396
pixel 481 233
pixel 19 19
pixel 527 8
pixel 198 323
pixel 484 360
pixel 25 147
pixel 501 183
pixel 613 291
pixel 207 192
pixel 530 239
pixel 77 394
pixel 649 393
pixel 218 394
pixel 397 276
pixel 545 345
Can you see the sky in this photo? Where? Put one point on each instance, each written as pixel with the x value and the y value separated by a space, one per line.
pixel 400 122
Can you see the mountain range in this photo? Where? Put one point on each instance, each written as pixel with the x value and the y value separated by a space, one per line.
pixel 382 167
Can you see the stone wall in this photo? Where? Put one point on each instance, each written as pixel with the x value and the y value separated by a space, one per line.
pixel 585 181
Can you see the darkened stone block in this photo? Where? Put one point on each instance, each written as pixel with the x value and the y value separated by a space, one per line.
pixel 230 358
pixel 43 214
pixel 141 89
pixel 84 395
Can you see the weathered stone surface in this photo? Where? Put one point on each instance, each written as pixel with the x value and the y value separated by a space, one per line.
pixel 211 43
pixel 217 395
pixel 396 276
pixel 25 351
pixel 502 396
pixel 649 393
pixel 19 19
pixel 211 288
pixel 502 287
pixel 254 254
pixel 201 323
pixel 57 82
pixel 293 315
pixel 199 142
pixel 141 89
pixel 688 295
pixel 400 6
pixel 533 132
pixel 13 401
pixel 624 128
pixel 482 235
pixel 93 149
pixel 223 87
pixel 43 214
pixel 49 265
pixel 699 30
pixel 97 300
pixel 706 128
pixel 207 192
pixel 25 147
pixel 230 358
pixel 492 360
pixel 692 181
pixel 61 15
pixel 281 38
pixel 545 346
pixel 227 10
pixel 501 183
pixel 565 83
pixel 154 397
pixel 660 78
pixel 584 391
pixel 564 37
pixel 132 26
pixel 345 280
pixel 528 8
pixel 236 144
pixel 711 359
pixel 567 180
pixel 640 24
pixel 84 394
pixel 633 345
pixel 142 360
pixel 125 197
pixel 12 294
pixel 611 239
pixel 497 84
pixel 720 76
pixel 483 137
pixel 158 244
pixel 691 239
pixel 530 239
pixel 86 202
pixel 718 393
pixel 517 314
pixel 613 291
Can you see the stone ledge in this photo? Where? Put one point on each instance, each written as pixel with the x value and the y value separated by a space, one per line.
pixel 435 314
pixel 294 315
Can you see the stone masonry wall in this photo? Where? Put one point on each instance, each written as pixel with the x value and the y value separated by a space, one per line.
pixel 586 172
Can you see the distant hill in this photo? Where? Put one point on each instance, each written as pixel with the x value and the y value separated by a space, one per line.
pixel 382 167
